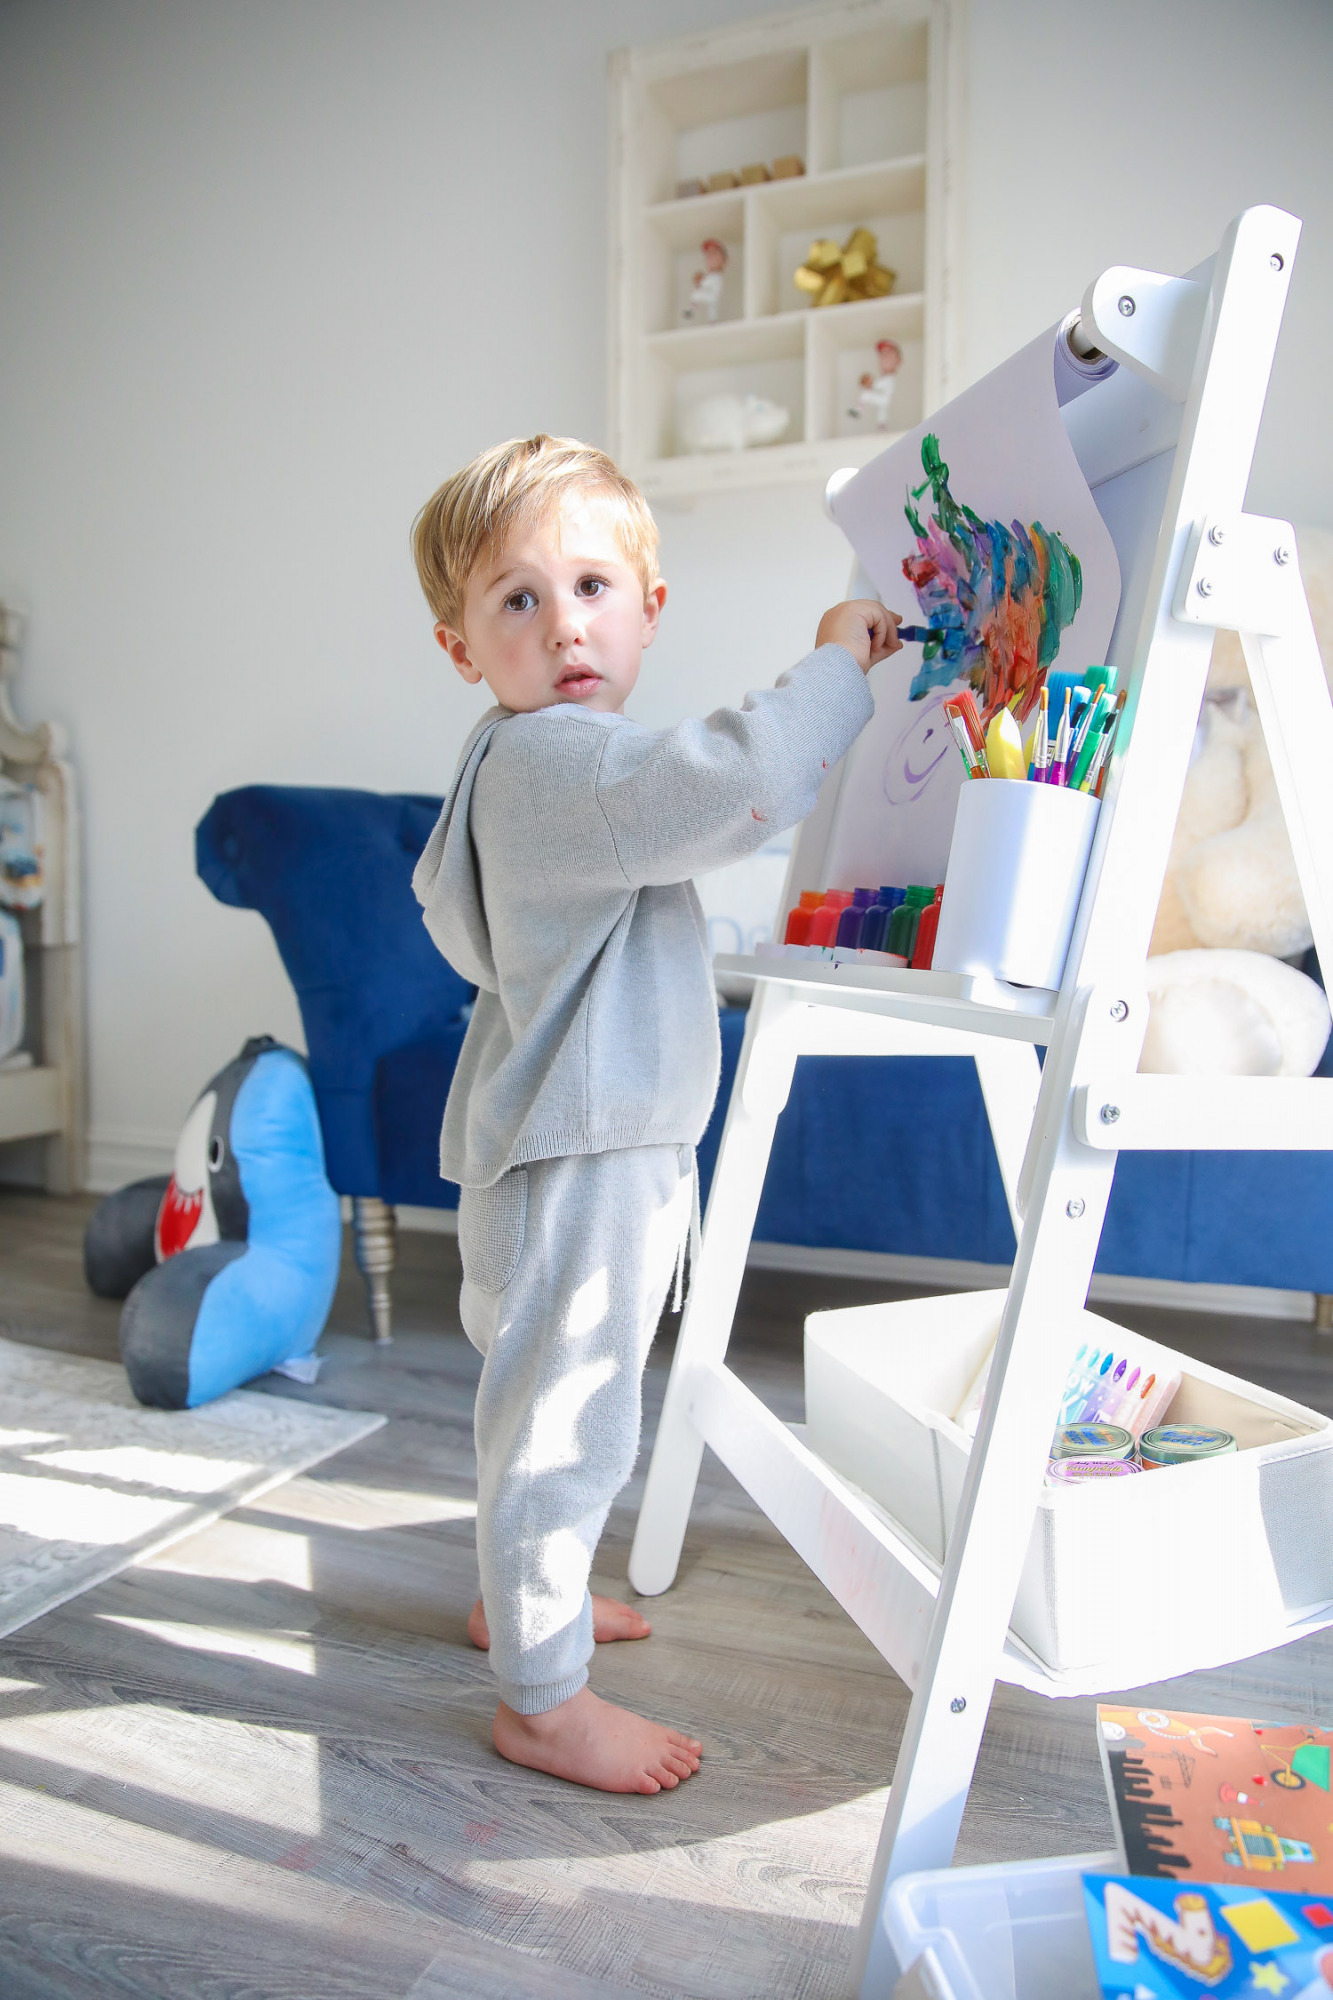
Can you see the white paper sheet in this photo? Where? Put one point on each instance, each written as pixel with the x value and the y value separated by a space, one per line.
pixel 1010 469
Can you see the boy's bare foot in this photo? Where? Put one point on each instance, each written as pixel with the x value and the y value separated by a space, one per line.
pixel 610 1620
pixel 591 1742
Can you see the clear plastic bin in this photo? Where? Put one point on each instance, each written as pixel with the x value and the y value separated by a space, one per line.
pixel 1011 1931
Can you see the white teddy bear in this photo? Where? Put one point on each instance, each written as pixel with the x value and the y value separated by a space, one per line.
pixel 1231 903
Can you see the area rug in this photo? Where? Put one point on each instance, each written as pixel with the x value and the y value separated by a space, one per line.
pixel 90 1481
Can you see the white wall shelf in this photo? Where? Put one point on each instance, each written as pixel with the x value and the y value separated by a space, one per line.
pixel 45 1100
pixel 865 94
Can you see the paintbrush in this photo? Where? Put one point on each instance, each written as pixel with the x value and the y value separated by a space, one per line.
pixel 920 634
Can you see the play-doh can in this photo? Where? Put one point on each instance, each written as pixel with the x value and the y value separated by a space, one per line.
pixel 1106 1441
pixel 1074 1471
pixel 1183 1444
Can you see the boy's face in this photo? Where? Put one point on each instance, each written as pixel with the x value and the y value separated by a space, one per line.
pixel 558 614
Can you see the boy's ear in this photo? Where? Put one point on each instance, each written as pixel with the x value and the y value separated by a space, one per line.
pixel 652 611
pixel 455 645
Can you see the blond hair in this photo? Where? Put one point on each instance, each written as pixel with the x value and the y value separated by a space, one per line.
pixel 473 514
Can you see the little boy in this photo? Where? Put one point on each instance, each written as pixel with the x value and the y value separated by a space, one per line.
pixel 558 881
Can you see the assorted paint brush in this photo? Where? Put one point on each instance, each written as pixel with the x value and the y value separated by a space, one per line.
pixel 1068 740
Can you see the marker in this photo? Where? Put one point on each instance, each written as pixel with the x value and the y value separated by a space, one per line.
pixel 1059 770
pixel 1041 743
pixel 1126 1403
pixel 1093 1402
pixel 1110 1392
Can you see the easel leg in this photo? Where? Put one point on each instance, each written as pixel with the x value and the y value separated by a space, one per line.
pixel 763 1081
pixel 1010 1078
pixel 1056 1251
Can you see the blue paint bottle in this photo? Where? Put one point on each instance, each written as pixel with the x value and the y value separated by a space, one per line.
pixel 852 921
pixel 875 929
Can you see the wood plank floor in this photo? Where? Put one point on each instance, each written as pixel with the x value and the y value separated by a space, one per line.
pixel 259 1764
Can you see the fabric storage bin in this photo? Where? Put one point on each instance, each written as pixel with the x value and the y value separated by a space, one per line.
pixel 1011 1931
pixel 1212 1561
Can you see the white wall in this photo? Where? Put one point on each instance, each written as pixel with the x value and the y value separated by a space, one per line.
pixel 270 268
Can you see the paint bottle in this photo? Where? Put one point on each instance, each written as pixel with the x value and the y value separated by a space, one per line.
pixel 1183 1444
pixel 798 920
pixel 903 923
pixel 924 949
pixel 1106 1441
pixel 824 920
pixel 875 929
pixel 852 920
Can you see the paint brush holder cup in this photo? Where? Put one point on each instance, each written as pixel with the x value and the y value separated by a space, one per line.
pixel 1011 892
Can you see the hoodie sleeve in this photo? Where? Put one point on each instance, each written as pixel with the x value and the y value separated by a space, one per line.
pixel 712 790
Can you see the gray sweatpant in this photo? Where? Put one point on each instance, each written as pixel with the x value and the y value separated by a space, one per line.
pixel 566 1265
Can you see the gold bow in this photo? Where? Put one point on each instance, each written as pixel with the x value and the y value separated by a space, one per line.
pixel 832 275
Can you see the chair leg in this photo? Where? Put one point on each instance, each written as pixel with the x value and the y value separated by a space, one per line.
pixel 375 1242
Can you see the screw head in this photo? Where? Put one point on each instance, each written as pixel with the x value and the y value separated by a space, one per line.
pixel 1204 586
pixel 957 1705
pixel 1109 1114
pixel 1126 305
pixel 1217 535
pixel 1074 1208
pixel 1120 1010
pixel 1275 261
pixel 1282 557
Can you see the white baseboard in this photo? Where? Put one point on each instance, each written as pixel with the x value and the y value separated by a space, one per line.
pixel 1254 1301
pixel 118 1155
pixel 955 1274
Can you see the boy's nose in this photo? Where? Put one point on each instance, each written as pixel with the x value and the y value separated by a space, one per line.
pixel 567 625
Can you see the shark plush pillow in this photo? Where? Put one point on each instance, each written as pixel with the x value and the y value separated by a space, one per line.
pixel 229 1263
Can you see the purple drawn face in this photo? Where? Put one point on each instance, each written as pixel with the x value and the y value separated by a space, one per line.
pixel 916 755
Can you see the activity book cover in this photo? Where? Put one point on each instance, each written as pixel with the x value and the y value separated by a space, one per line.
pixel 1154 1938
pixel 1205 1798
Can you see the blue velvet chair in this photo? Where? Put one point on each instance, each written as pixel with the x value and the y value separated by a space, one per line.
pixel 871 1154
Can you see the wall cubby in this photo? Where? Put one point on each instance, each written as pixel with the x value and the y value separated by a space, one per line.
pixel 865 96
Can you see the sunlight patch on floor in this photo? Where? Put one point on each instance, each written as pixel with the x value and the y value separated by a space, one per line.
pixel 62 1837
pixel 271 1649
pixel 830 1851
pixel 249 1771
pixel 241 1552
pixel 139 1465
pixel 362 1509
pixel 67 1510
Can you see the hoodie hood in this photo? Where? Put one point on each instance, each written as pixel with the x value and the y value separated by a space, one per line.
pixel 447 881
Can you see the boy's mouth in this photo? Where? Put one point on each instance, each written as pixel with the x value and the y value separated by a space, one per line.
pixel 578 680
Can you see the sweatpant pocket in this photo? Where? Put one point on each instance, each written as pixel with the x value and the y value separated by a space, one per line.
pixel 491 1226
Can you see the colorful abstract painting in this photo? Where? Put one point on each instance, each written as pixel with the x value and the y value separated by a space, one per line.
pixel 999 596
pixel 980 526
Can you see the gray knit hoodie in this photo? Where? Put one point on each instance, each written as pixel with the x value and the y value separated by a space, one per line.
pixel 557 880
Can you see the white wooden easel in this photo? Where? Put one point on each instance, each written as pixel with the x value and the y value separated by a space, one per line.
pixel 1204 345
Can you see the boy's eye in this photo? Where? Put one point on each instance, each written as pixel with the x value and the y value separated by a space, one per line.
pixel 519 600
pixel 591 586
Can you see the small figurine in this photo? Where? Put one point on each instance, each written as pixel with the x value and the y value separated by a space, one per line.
pixel 876 391
pixel 707 293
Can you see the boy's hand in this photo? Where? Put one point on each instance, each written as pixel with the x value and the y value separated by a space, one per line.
pixel 865 628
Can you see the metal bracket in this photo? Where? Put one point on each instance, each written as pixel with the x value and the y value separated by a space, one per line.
pixel 1150 322
pixel 1240 572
